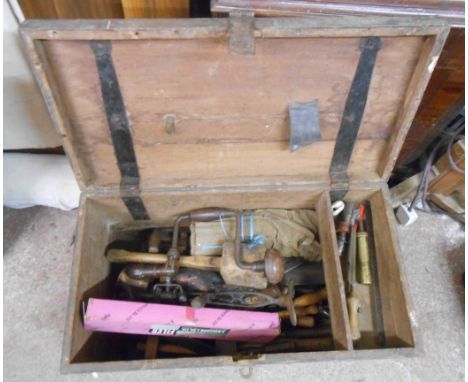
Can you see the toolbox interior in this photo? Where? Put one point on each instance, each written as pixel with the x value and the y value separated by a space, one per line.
pixel 103 216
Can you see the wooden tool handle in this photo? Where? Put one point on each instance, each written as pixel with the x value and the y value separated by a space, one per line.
pixel 311 310
pixel 311 344
pixel 353 310
pixel 306 322
pixel 175 349
pixel 300 312
pixel 205 263
pixel 311 298
pixel 123 256
pixel 153 347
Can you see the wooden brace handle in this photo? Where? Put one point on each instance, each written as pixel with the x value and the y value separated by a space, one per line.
pixel 204 263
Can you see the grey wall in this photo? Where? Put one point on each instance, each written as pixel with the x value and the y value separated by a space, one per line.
pixel 26 123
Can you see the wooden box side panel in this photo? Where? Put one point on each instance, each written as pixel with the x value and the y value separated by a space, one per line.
pixel 164 207
pixel 396 304
pixel 397 310
pixel 333 275
pixel 89 270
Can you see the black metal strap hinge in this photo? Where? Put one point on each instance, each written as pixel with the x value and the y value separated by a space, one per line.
pixel 118 124
pixel 352 117
pixel 136 207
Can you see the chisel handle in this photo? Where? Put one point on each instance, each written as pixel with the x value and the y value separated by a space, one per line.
pixel 300 312
pixel 306 322
pixel 311 298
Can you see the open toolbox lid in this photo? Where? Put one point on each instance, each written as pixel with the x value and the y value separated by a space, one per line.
pixel 155 104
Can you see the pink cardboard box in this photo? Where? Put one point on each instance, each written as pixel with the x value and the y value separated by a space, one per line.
pixel 180 321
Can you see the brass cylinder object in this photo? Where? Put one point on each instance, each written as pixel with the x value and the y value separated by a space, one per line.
pixel 364 271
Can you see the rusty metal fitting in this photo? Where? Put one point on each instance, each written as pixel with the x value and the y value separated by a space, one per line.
pixel 201 215
pixel 342 226
pixel 143 271
pixel 272 265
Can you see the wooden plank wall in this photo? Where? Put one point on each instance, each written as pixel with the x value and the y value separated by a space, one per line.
pixel 134 9
pixel 451 9
pixel 446 86
pixel 70 9
pixel 98 9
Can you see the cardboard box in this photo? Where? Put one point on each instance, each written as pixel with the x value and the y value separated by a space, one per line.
pixel 180 321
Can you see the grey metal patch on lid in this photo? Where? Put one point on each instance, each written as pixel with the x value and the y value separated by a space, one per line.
pixel 304 124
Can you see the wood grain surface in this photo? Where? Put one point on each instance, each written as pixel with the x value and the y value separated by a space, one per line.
pixel 222 130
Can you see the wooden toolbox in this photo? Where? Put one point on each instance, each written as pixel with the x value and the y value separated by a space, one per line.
pixel 159 117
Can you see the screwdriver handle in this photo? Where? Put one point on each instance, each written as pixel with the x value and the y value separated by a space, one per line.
pixel 353 311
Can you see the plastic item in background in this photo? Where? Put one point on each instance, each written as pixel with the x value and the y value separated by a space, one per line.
pixel 405 215
pixel 39 179
pixel 338 207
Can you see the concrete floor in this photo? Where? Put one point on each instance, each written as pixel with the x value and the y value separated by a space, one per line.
pixel 37 259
